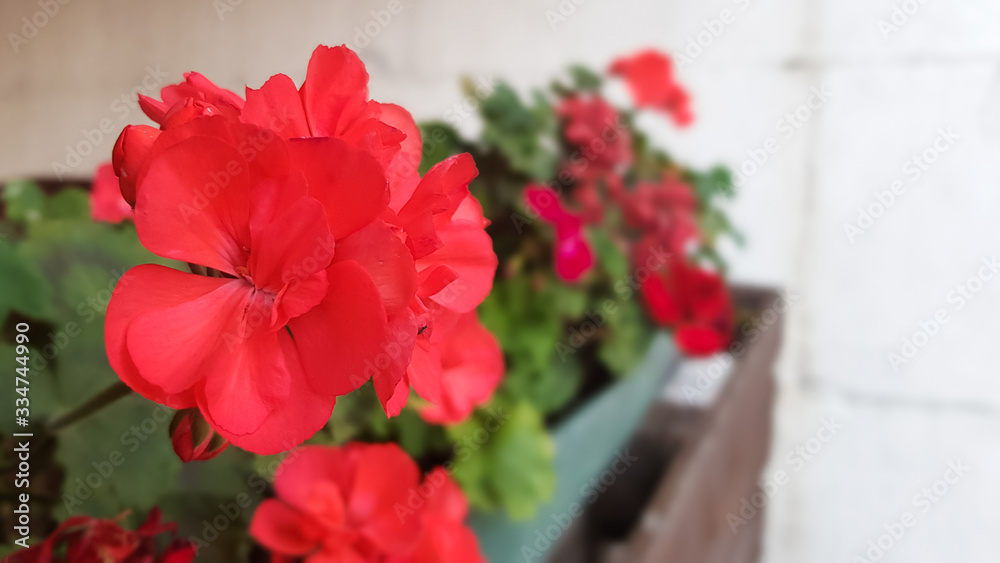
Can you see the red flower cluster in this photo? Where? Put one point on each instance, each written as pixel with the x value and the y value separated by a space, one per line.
pixel 363 503
pixel 659 215
pixel 82 539
pixel 691 300
pixel 325 261
pixel 650 78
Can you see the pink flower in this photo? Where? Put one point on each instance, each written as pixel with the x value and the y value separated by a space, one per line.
pixel 573 255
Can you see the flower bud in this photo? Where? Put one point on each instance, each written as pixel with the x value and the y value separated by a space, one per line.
pixel 130 154
pixel 183 112
pixel 192 437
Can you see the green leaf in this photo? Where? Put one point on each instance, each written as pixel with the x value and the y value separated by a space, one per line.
pixel 24 199
pixel 584 78
pixel 517 132
pixel 609 256
pixel 510 468
pixel 70 203
pixel 627 338
pixel 25 287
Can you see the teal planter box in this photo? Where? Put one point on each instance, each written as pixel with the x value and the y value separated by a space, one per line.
pixel 586 444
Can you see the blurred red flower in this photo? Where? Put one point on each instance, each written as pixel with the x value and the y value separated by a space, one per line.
pixel 106 202
pixel 601 143
pixel 573 256
pixel 363 503
pixel 650 78
pixel 82 539
pixel 689 299
pixel 470 363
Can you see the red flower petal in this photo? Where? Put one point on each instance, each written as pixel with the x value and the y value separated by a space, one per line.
pixel 193 204
pixel 143 289
pixel 335 89
pixel 277 106
pixel 282 529
pixel 292 421
pixel 349 183
pixel 338 339
pixel 467 250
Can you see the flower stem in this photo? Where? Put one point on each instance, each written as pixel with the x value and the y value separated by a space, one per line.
pixel 97 402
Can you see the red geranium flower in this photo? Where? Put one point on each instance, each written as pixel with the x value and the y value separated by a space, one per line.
pixel 106 202
pixel 470 363
pixel 82 539
pixel 691 300
pixel 663 211
pixel 363 503
pixel 650 78
pixel 573 256
pixel 442 224
pixel 260 193
pixel 601 143
pixel 302 272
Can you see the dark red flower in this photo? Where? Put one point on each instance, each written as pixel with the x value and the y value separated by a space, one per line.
pixel 362 503
pixel 573 256
pixel 691 300
pixel 601 143
pixel 650 77
pixel 82 539
pixel 664 212
pixel 106 202
pixel 193 438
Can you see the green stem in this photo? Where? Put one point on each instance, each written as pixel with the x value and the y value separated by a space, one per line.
pixel 97 402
